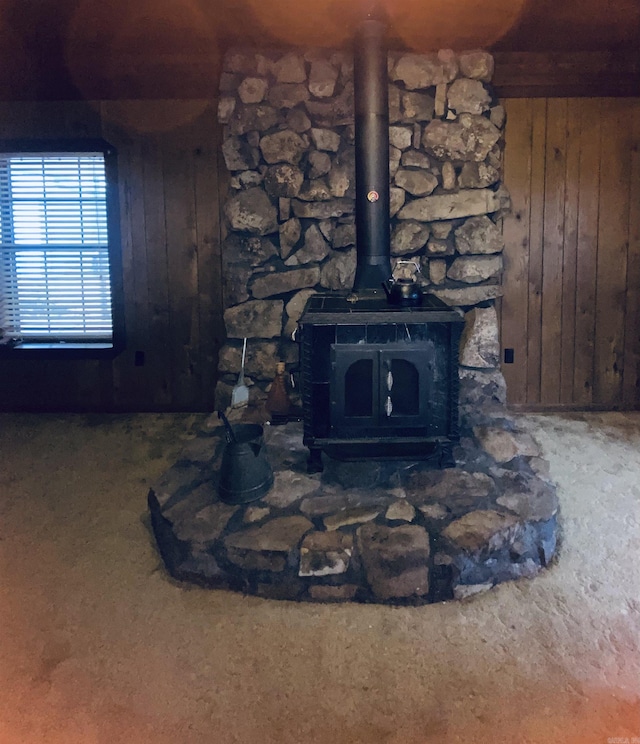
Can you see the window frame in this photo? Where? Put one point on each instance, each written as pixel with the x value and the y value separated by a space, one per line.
pixel 75 350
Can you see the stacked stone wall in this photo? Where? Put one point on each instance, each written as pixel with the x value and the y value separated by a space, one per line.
pixel 289 147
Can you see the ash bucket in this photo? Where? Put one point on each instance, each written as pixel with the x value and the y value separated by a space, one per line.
pixel 245 473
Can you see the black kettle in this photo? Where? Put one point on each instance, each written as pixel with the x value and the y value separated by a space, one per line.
pixel 404 291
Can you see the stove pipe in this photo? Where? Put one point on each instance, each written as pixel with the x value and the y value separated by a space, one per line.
pixel 371 95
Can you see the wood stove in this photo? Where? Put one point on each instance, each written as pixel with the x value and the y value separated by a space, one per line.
pixel 379 381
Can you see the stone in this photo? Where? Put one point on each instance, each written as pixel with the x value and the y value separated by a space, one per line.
pixel 466 296
pixel 319 164
pixel 283 180
pixel 238 156
pixel 322 79
pixel 256 318
pixel 395 560
pixel 267 547
pixel 436 207
pixel 252 89
pixel 479 235
pixel 335 113
pixel 478 176
pixel 401 511
pixel 340 180
pixel 480 342
pixel 483 530
pixel 314 191
pixel 298 121
pixel 294 309
pixel 206 525
pixel 339 271
pixel 226 107
pixel 289 487
pixel 289 236
pixel 260 359
pixel 322 210
pixel 229 82
pixel 528 497
pixel 315 248
pixel 252 212
pixel 394 160
pixel 397 198
pixel 325 139
pixel 441 230
pixel 415 159
pixel 335 499
pixel 448 176
pixel 178 480
pixel 290 69
pixel 284 281
pixel 326 593
pixel 400 137
pixel 416 182
pixel 417 106
pixel 477 65
pixel 284 208
pixel 288 95
pixel 326 228
pixel 464 591
pixel 437 247
pixel 239 62
pixel 250 249
pixel 481 387
pixel 416 138
pixel 250 178
pixel 284 146
pixel 504 445
pixel 469 138
pixel 424 70
pixel 440 103
pixel 497 116
pixel 257 117
pixel 437 270
pixel 346 517
pixel 394 104
pixel 325 554
pixel 408 237
pixel 344 236
pixel 476 269
pixel 458 490
pixel 434 511
pixel 235 283
pixel 469 96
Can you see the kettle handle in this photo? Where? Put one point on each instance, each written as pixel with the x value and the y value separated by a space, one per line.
pixel 407 261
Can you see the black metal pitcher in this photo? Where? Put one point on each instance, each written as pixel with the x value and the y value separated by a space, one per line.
pixel 245 473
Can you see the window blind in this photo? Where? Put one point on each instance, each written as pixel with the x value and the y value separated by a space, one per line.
pixel 54 252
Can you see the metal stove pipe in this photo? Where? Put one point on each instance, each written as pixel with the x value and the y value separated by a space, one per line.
pixel 372 155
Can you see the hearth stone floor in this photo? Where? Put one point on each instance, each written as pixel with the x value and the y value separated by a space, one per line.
pixel 391 532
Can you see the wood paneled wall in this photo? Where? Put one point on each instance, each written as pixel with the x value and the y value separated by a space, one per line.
pixel 571 310
pixel 169 208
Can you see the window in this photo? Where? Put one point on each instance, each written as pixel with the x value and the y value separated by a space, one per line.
pixel 59 255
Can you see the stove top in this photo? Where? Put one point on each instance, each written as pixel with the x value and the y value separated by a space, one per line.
pixel 343 302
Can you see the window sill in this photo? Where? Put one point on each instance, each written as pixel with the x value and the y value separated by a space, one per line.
pixel 60 350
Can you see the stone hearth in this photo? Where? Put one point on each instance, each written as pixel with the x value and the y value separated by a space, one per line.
pixel 391 532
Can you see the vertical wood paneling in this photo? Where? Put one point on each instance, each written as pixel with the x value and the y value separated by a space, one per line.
pixel 583 297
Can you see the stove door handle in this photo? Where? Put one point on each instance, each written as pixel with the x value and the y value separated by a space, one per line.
pixel 389 380
pixel 388 406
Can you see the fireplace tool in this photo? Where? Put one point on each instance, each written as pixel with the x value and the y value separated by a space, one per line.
pixel 245 473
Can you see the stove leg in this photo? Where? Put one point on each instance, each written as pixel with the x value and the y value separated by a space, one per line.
pixel 314 462
pixel 446 459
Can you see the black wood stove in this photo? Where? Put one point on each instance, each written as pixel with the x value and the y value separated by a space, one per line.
pixel 379 379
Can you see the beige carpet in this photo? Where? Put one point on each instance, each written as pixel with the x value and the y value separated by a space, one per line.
pixel 99 646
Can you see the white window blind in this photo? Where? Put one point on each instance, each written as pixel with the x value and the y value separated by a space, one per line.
pixel 54 251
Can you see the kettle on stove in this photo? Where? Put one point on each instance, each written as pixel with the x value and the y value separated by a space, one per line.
pixel 403 291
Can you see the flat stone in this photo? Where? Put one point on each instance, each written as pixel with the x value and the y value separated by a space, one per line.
pixel 250 178
pixel 434 511
pixel 250 249
pixel 322 210
pixel 336 499
pixel 295 307
pixel 261 358
pixel 325 139
pixel 298 121
pixel 238 155
pixel 284 146
pixel 257 117
pixel 315 191
pixel 319 164
pixel 424 70
pixel 440 103
pixel 290 69
pixel 255 514
pixel 339 271
pixel 344 236
pixel 284 208
pixel 437 270
pixel 504 445
pixel 401 510
pixel 334 113
pixel 396 200
pixel 252 212
pixel 415 159
pixel 458 490
pixel 290 232
pixel 395 560
pixel 314 249
pixel 326 593
pixel 322 79
pixel 477 65
pixel 466 296
pixel 480 342
pixel 479 235
pixel 400 137
pixel 283 180
pixel 497 116
pixel 480 388
pixel 394 160
pixel 346 517
pixel 475 269
pixel 341 180
pixel 252 89
pixel 256 318
pixel 267 547
pixel 288 95
pixel 478 175
pixel 200 450
pixel 417 106
pixel 482 530
pixel 178 480
pixel 281 282
pixel 441 230
pixel 464 591
pixel 465 203
pixel 530 498
pixel 470 138
pixel 289 487
pixel 206 525
pixel 408 237
pixel 325 554
pixel 416 182
pixel 468 95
